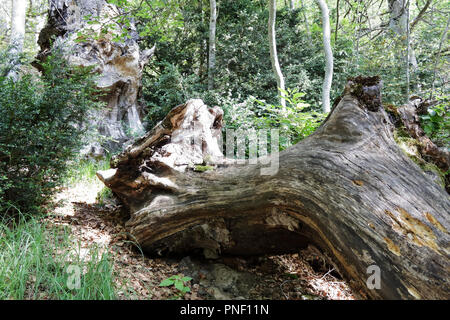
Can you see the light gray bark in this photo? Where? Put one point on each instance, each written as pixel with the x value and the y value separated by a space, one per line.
pixel 18 13
pixel 212 43
pixel 328 56
pixel 119 67
pixel 273 50
pixel 291 4
pixel 398 23
pixel 347 188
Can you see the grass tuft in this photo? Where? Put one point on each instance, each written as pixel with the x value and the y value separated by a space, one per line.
pixel 38 261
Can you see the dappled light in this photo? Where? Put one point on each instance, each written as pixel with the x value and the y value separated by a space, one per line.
pixel 224 150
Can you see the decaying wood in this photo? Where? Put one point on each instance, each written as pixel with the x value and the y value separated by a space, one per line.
pixel 347 189
pixel 118 64
pixel 410 116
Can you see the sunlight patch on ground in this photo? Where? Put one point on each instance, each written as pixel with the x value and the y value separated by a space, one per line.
pixel 81 192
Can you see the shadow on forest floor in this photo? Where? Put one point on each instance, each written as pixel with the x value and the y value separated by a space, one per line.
pixel 304 275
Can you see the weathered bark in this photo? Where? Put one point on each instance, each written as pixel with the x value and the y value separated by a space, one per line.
pixel 118 64
pixel 18 12
pixel 273 50
pixel 328 56
pixel 347 189
pixel 212 43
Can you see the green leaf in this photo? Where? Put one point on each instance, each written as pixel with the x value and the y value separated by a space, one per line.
pixel 179 285
pixel 166 283
pixel 186 289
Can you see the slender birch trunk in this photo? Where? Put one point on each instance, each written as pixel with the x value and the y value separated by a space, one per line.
pixel 291 4
pixel 273 50
pixel 212 44
pixel 328 56
pixel 438 56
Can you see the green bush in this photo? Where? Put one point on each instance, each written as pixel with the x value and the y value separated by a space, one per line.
pixel 295 122
pixel 436 123
pixel 41 126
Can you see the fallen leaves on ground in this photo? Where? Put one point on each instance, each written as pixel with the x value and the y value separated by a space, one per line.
pixel 290 276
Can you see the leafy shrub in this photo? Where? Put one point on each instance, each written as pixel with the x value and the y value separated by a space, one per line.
pixel 295 122
pixel 170 89
pixel 179 282
pixel 436 123
pixel 41 125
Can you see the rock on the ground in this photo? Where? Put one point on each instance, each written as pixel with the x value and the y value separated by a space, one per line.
pixel 218 280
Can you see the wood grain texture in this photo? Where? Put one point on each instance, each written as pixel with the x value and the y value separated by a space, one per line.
pixel 347 188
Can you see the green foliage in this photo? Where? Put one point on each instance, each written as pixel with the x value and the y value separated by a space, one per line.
pixel 35 260
pixel 200 168
pixel 104 195
pixel 169 90
pixel 296 121
pixel 436 123
pixel 179 282
pixel 84 170
pixel 41 126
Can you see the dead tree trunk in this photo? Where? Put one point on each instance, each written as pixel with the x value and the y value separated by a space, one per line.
pixel 347 188
pixel 119 65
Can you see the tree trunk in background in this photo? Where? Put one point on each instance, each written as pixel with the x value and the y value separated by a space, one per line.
pixel 212 43
pixel 408 51
pixel 438 56
pixel 328 56
pixel 347 188
pixel 308 31
pixel 398 23
pixel 118 65
pixel 18 12
pixel 337 22
pixel 273 50
pixel 291 4
pixel 203 47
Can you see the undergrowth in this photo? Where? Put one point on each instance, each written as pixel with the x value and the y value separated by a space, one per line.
pixel 84 170
pixel 41 261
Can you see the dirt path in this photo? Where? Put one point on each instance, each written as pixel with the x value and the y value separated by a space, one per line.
pixel 303 275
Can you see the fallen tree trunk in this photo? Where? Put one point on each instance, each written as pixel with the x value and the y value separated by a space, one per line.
pixel 347 189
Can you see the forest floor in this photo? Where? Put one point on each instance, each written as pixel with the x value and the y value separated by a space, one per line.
pixel 304 275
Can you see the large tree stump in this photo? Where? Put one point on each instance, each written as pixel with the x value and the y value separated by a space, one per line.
pixel 119 65
pixel 347 189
